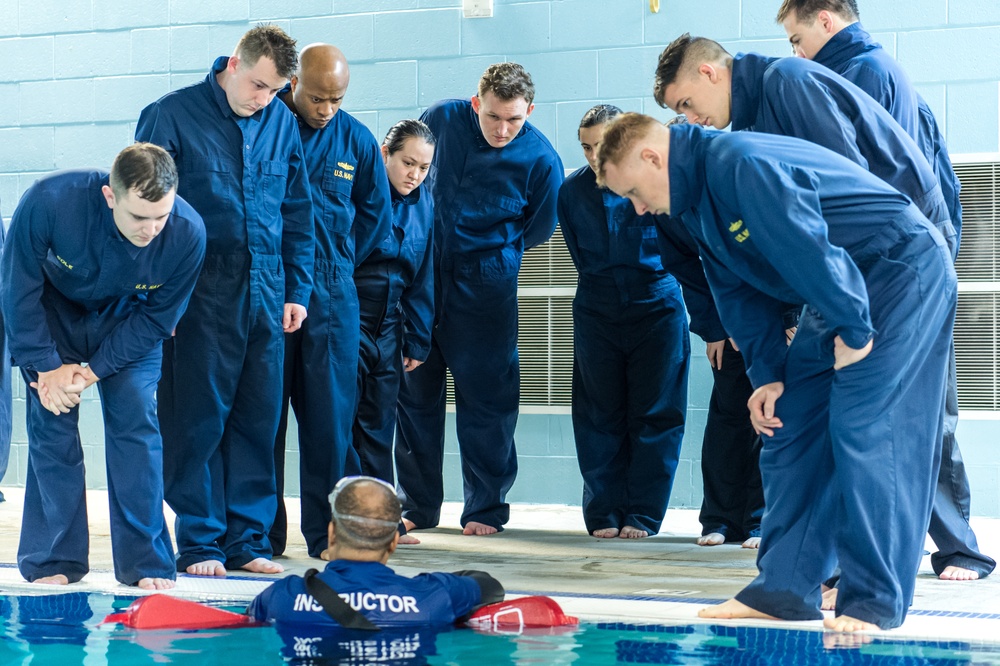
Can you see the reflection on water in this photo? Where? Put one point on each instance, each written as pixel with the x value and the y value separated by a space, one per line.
pixel 64 629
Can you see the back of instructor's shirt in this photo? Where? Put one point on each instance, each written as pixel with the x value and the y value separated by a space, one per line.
pixel 376 591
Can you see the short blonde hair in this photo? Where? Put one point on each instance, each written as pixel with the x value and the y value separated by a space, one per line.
pixel 620 136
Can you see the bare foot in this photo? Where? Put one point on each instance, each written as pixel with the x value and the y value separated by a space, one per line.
pixel 958 573
pixel 829 599
pixel 733 610
pixel 752 543
pixel 263 565
pixel 605 533
pixel 409 525
pixel 478 529
pixel 155 584
pixel 409 540
pixel 848 624
pixel 711 539
pixel 207 568
pixel 58 579
pixel 629 532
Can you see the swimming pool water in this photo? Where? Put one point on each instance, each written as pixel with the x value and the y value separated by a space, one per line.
pixel 65 629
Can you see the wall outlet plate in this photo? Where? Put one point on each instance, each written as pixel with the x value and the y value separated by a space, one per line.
pixel 477 8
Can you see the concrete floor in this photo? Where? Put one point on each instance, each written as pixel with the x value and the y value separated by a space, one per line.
pixel 545 550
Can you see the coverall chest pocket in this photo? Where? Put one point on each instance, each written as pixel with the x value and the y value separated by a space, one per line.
pixel 412 249
pixel 337 204
pixel 71 279
pixel 207 175
pixel 483 209
pixel 640 241
pixel 273 179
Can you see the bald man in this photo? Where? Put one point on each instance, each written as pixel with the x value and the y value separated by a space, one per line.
pixel 351 215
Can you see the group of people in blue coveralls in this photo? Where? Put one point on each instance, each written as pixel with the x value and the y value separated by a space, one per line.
pixel 820 199
pixel 316 272
pixel 294 201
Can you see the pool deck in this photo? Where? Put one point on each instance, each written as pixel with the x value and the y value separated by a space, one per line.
pixel 545 550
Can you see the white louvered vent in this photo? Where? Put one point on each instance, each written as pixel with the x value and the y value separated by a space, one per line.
pixel 977 349
pixel 548 281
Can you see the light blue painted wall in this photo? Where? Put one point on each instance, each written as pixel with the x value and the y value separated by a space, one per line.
pixel 77 72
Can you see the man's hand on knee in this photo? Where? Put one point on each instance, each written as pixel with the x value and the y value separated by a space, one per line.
pixel 845 356
pixel 762 404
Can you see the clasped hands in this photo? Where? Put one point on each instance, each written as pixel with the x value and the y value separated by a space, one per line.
pixel 59 390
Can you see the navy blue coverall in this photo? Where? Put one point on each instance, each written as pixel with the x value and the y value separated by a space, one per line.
pixel 857 57
pixel 396 292
pixel 797 97
pixel 631 356
pixel 350 195
pixel 490 205
pixel 733 499
pixel 220 396
pixel 6 391
pixel 74 290
pixel 853 54
pixel 778 220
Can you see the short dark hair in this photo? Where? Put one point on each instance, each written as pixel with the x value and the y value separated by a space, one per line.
pixel 683 53
pixel 269 41
pixel 806 10
pixel 598 115
pixel 366 513
pixel 146 168
pixel 507 80
pixel 397 135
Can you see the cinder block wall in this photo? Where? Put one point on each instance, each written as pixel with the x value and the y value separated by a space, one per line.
pixel 77 72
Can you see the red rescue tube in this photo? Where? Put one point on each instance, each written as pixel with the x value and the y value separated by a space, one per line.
pixel 524 613
pixel 159 611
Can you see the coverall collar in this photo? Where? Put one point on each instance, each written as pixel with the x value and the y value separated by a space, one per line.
pixel 747 85
pixel 686 167
pixel 849 43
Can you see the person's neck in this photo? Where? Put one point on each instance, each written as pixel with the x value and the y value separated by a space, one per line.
pixel 290 103
pixel 358 555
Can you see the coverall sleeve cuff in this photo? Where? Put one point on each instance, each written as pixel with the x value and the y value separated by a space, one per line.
pixel 100 368
pixel 416 352
pixel 51 363
pixel 856 338
pixel 760 375
pixel 299 297
pixel 711 333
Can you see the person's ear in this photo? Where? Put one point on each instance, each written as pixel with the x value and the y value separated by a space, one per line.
pixel 330 535
pixel 825 20
pixel 392 545
pixel 651 157
pixel 531 107
pixel 475 104
pixel 294 81
pixel 109 196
